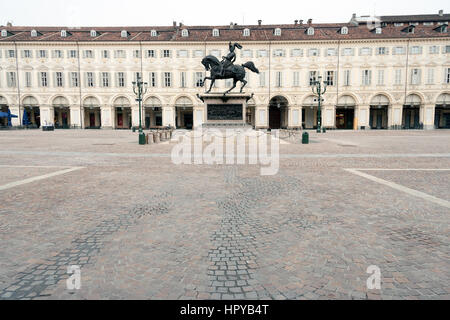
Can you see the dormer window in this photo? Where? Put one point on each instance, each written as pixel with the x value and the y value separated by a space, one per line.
pixel 33 33
pixel 93 33
pixel 277 32
pixel 310 31
pixel 246 33
pixel 124 34
pixel 443 28
pixel 215 33
pixel 184 33
pixel 63 33
pixel 4 33
pixel 153 33
pixel 378 30
pixel 344 30
pixel 409 29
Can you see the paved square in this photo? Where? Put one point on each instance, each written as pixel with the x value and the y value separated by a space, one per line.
pixel 141 227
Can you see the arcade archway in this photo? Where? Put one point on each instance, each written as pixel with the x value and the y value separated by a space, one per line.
pixel 278 112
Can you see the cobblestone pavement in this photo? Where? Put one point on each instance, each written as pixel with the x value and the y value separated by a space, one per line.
pixel 140 227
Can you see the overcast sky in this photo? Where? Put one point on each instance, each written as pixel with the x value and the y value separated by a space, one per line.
pixel 195 12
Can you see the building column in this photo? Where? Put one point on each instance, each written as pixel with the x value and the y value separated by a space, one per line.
pixel 295 117
pixel 168 116
pixel 427 119
pixel 362 113
pixel 199 115
pixel 47 116
pixel 16 110
pixel 328 116
pixel 107 117
pixel 262 116
pixel 75 118
pixel 135 116
pixel 395 113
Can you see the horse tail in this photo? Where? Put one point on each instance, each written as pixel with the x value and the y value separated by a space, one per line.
pixel 250 65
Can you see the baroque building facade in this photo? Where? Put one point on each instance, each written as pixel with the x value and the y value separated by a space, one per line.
pixel 391 72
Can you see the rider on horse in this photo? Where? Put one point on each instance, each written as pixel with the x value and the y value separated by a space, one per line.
pixel 229 59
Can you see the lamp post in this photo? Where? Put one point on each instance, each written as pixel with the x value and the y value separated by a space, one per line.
pixel 139 89
pixel 319 89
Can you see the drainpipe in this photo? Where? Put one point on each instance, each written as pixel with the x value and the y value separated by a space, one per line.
pixel 79 84
pixel 18 82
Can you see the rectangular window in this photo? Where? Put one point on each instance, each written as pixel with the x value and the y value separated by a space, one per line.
pixel 167 54
pixel 137 75
pixel 152 79
pixel 105 54
pixel 262 53
pixel 58 54
pixel 89 79
pixel 447 75
pixel 347 77
pixel 398 77
pixel 215 53
pixel 121 79
pixel 198 53
pixel 279 79
pixel 447 49
pixel 182 53
pixel 381 51
pixel 120 54
pixel 11 54
pixel 11 79
pixel 366 77
pixel 74 79
pixel 430 77
pixel 415 76
pixel 88 54
pixel 27 54
pixel 399 50
pixel 105 79
pixel 278 53
pixel 330 78
pixel 151 53
pixel 198 79
pixel 313 52
pixel 416 50
pixel 331 52
pixel 296 80
pixel 434 49
pixel 348 52
pixel 262 79
pixel 43 79
pixel 28 82
pixel 247 53
pixel 136 54
pixel 73 54
pixel 297 53
pixel 42 54
pixel 380 77
pixel 365 52
pixel 59 79
pixel 312 77
pixel 167 79
pixel 183 79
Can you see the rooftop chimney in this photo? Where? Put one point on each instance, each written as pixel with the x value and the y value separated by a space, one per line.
pixel 295 22
pixel 259 22
pixel 231 25
pixel 309 21
pixel 9 24
pixel 301 22
pixel 181 24
pixel 174 24
pixel 441 13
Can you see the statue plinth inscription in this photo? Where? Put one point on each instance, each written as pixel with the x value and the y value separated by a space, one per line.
pixel 224 112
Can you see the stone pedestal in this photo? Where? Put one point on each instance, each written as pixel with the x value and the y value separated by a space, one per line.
pixel 222 111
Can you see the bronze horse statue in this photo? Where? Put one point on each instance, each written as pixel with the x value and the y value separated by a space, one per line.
pixel 235 72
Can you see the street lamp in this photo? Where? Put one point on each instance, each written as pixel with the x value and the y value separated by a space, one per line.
pixel 317 89
pixel 139 89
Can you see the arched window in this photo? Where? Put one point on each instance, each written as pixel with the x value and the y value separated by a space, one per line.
pixel 33 33
pixel 124 34
pixel 246 32
pixel 277 32
pixel 215 32
pixel 153 33
pixel 93 33
pixel 184 33
pixel 344 30
pixel 310 31
pixel 63 33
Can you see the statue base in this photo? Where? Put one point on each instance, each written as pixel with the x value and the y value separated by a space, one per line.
pixel 225 111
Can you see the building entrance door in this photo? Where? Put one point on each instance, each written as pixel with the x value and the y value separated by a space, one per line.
pixel 344 118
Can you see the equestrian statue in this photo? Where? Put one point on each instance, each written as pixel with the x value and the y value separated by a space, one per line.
pixel 226 69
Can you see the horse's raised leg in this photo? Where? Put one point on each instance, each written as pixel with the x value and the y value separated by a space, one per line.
pixel 234 86
pixel 244 84
pixel 204 81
